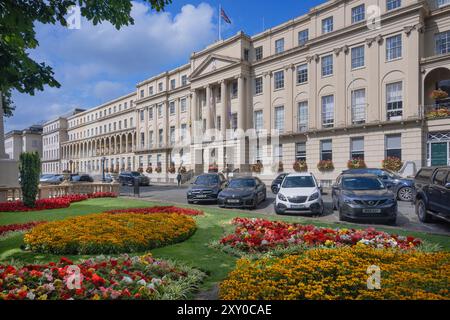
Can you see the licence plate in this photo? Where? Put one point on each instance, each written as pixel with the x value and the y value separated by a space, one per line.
pixel 371 210
pixel 201 196
pixel 233 201
pixel 297 206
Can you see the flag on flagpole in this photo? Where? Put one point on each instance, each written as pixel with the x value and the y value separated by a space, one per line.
pixel 224 16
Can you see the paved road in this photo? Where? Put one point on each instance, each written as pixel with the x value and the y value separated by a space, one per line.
pixel 407 219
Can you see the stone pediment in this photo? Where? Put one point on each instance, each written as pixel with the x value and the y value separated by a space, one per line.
pixel 213 63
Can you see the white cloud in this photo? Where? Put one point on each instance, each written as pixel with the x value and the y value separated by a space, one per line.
pixel 98 63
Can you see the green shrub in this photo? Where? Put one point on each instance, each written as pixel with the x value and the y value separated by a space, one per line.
pixel 30 169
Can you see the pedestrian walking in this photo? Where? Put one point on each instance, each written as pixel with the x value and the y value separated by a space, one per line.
pixel 179 178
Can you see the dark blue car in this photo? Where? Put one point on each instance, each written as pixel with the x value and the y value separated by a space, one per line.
pixel 401 187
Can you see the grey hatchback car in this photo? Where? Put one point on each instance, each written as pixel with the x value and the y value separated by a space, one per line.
pixel 364 197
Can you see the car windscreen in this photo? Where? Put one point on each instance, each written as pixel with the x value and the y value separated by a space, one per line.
pixel 135 174
pixel 392 175
pixel 362 183
pixel 206 180
pixel 299 182
pixel 242 183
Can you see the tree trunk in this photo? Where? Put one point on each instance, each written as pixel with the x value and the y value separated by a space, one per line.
pixel 2 131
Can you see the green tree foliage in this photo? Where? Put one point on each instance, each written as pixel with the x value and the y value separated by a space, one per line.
pixel 30 169
pixel 17 36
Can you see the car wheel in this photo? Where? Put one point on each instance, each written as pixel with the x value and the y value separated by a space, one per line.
pixel 278 211
pixel 274 190
pixel 405 194
pixel 421 211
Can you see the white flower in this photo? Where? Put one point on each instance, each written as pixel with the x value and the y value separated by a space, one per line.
pixel 142 282
pixel 31 295
pixel 264 242
pixel 156 281
pixel 127 279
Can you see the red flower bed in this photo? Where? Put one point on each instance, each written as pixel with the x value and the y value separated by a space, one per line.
pixel 52 203
pixel 184 211
pixel 98 278
pixel 102 195
pixel 258 235
pixel 18 227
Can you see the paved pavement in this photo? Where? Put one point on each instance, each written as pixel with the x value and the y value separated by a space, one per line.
pixel 407 219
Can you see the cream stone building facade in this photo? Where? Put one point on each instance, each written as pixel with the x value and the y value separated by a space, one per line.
pixel 27 140
pixel 349 79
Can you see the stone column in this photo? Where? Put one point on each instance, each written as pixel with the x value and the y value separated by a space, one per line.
pixel 224 120
pixel 340 100
pixel 9 170
pixel 289 109
pixel 208 107
pixel 241 102
pixel 313 101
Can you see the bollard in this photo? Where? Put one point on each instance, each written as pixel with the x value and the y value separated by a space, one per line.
pixel 136 187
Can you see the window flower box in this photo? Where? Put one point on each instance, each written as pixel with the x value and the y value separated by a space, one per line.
pixel 356 164
pixel 325 165
pixel 300 166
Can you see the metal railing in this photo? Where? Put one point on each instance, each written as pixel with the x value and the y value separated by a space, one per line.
pixel 439 110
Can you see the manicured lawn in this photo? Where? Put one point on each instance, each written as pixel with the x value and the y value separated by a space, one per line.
pixel 194 252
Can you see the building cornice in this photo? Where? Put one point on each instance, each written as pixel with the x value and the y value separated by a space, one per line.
pixel 336 34
pixel 106 104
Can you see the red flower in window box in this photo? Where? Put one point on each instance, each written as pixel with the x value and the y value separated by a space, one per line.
pixel 392 163
pixel 325 165
pixel 300 166
pixel 356 164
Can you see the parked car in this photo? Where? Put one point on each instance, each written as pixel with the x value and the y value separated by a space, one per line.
pixel 206 187
pixel 127 178
pixel 111 178
pixel 51 179
pixel 243 192
pixel 81 178
pixel 276 182
pixel 432 193
pixel 299 192
pixel 402 187
pixel 365 197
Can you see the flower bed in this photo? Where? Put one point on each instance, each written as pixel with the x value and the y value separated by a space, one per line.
pixel 110 233
pixel 184 211
pixel 101 279
pixel 259 236
pixel 325 274
pixel 22 227
pixel 52 203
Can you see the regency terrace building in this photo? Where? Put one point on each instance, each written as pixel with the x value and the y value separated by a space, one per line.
pixel 333 84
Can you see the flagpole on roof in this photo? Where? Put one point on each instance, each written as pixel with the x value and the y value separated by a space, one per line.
pixel 220 21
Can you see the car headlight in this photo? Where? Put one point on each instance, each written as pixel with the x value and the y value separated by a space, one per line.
pixel 282 197
pixel 314 196
pixel 348 200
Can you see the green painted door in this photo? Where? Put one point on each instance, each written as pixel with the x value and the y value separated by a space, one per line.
pixel 439 154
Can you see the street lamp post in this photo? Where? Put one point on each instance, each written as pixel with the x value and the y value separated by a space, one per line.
pixel 103 169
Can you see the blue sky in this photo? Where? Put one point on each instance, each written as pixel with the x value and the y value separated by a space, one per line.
pixel 97 64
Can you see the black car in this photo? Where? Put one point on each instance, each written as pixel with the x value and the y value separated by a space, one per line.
pixel 432 193
pixel 244 192
pixel 81 178
pixel 276 182
pixel 364 197
pixel 401 187
pixel 128 178
pixel 206 187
